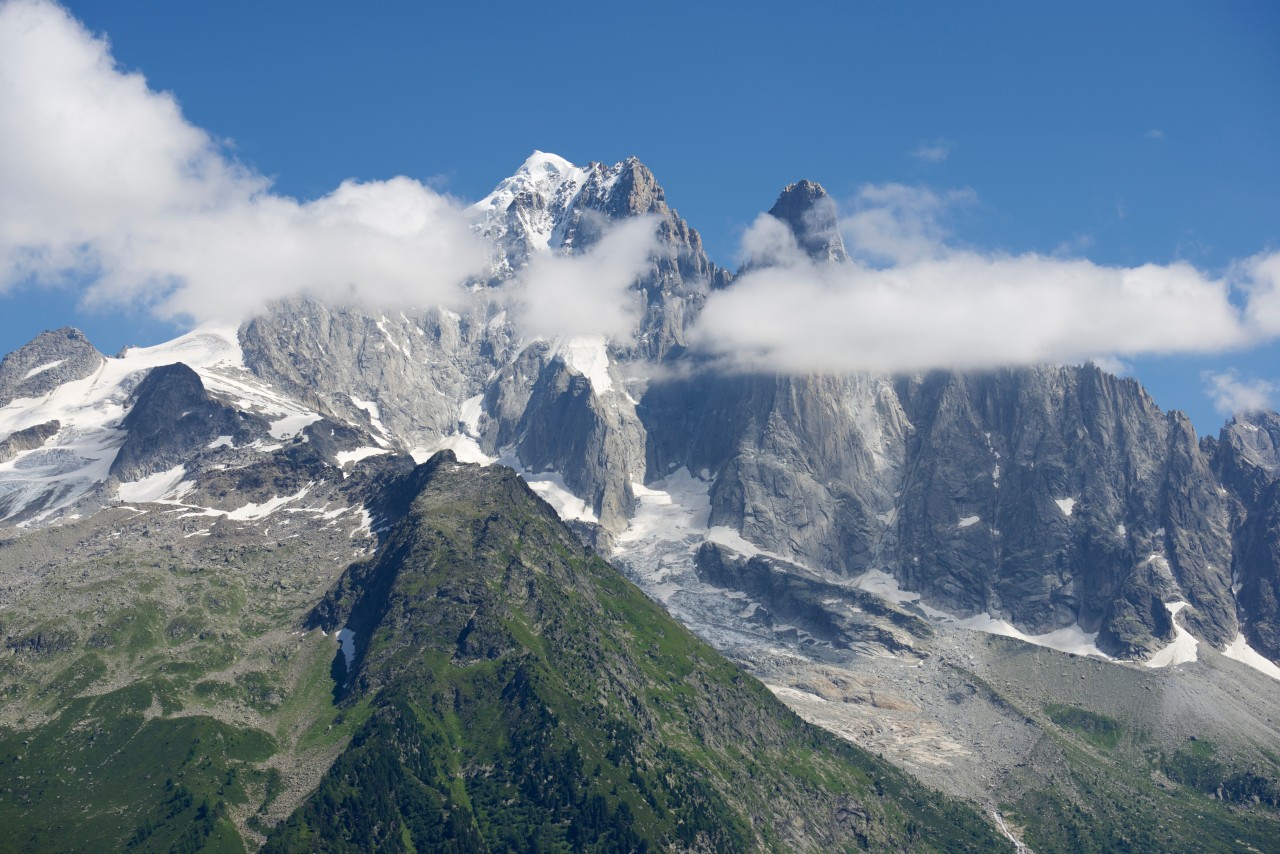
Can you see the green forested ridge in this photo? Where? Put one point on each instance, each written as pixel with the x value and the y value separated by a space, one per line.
pixel 527 697
pixel 511 691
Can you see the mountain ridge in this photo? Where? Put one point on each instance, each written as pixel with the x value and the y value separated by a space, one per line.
pixel 840 536
pixel 480 598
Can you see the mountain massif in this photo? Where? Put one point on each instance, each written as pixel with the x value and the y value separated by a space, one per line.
pixel 227 587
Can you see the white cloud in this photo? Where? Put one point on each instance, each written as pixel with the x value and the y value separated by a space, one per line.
pixel 910 301
pixel 589 293
pixel 104 179
pixel 1259 278
pixel 1154 133
pixel 933 152
pixel 1232 395
pixel 895 223
pixel 769 241
pixel 964 310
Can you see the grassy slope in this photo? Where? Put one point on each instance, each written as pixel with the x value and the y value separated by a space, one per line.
pixel 156 699
pixel 1107 776
pixel 528 697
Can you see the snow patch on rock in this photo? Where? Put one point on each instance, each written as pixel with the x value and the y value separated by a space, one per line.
pixel 1183 648
pixel 292 424
pixel 469 415
pixel 673 509
pixel 587 355
pixel 36 371
pixel 1240 651
pixel 153 487
pixel 344 457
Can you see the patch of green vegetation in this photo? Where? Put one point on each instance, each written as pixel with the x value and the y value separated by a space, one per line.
pixel 104 776
pixel 1197 767
pixel 525 696
pixel 1099 730
pixel 1112 801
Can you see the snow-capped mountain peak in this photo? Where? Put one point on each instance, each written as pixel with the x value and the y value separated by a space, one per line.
pixel 522 213
pixel 551 205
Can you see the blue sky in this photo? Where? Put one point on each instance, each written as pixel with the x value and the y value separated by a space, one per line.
pixel 1122 133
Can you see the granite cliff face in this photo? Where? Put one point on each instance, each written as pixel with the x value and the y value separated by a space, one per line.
pixel 1246 457
pixel 1047 497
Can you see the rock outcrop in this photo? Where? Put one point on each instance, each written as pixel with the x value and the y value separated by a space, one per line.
pixel 46 362
pixel 172 418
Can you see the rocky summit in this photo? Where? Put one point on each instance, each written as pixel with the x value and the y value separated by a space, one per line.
pixel 342 578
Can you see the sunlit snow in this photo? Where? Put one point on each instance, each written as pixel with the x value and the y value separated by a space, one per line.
pixel 95 405
pixel 152 488
pixel 587 355
pixel 1240 650
pixel 292 424
pixel 469 415
pixel 36 371
pixel 1183 647
pixel 344 457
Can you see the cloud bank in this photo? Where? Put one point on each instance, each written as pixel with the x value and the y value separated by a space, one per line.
pixel 1233 395
pixel 105 182
pixel 589 293
pixel 910 301
pixel 103 179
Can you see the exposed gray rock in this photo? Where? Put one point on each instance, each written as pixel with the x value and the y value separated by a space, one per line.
pixel 596 444
pixel 811 214
pixel 46 362
pixel 413 371
pixel 804 466
pixel 1246 458
pixel 1246 454
pixel 1042 496
pixel 172 418
pixel 1257 569
pixel 28 439
pixel 845 617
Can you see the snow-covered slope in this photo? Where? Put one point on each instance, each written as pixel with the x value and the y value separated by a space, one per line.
pixel 40 483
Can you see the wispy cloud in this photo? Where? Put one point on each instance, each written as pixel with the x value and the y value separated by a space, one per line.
pixel 1232 395
pixel 590 293
pixel 935 151
pixel 895 223
pixel 1154 133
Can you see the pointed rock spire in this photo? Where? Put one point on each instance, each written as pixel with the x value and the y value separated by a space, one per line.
pixel 811 214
